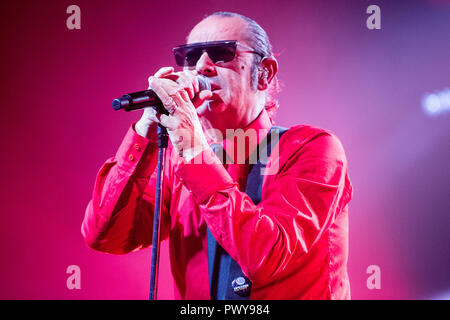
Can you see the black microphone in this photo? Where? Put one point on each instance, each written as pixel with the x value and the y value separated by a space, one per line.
pixel 148 98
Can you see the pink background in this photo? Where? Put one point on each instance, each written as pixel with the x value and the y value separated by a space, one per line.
pixel 58 127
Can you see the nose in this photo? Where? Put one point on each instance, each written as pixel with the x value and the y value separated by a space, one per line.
pixel 205 66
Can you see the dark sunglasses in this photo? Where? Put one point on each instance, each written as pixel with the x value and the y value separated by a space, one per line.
pixel 218 51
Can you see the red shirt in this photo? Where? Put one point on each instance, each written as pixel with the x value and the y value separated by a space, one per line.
pixel 292 245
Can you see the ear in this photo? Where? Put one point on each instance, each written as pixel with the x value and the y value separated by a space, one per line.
pixel 267 71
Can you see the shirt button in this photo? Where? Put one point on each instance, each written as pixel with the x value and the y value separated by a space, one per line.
pixel 131 157
pixel 137 147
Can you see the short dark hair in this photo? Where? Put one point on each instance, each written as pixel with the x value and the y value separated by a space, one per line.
pixel 257 38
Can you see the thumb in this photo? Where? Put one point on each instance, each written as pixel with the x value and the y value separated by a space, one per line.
pixel 205 95
pixel 201 97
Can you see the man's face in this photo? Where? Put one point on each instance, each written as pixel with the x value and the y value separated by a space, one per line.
pixel 230 81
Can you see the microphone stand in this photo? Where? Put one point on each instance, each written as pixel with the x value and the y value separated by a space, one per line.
pixel 139 100
pixel 163 139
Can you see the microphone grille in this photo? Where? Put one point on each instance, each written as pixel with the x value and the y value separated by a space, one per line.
pixel 203 83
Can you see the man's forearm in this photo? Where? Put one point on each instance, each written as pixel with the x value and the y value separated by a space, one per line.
pixel 110 218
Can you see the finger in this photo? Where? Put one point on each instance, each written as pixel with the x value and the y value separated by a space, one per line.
pixel 169 122
pixel 188 80
pixel 161 88
pixel 180 98
pixel 170 94
pixel 177 93
pixel 152 114
pixel 205 95
pixel 195 83
pixel 185 95
pixel 171 76
pixel 185 82
pixel 201 97
pixel 163 72
pixel 188 85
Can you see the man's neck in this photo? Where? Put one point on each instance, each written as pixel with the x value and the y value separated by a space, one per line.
pixel 217 125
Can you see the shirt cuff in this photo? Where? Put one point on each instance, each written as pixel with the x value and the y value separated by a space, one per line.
pixel 135 153
pixel 204 175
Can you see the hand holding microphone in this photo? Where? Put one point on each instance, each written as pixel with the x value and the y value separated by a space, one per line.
pixel 179 94
pixel 188 80
pixel 196 86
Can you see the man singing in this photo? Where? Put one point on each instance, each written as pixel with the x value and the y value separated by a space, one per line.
pixel 237 228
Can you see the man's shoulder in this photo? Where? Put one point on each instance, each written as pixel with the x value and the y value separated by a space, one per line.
pixel 301 134
pixel 305 148
pixel 308 140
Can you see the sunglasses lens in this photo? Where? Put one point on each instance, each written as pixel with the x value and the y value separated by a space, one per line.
pixel 192 56
pixel 222 53
pixel 186 56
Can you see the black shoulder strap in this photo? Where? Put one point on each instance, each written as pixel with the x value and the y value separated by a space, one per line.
pixel 256 173
pixel 227 281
